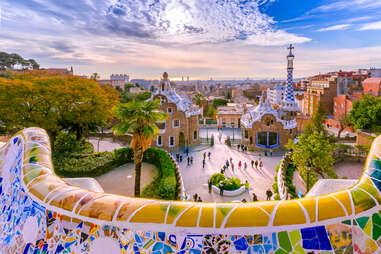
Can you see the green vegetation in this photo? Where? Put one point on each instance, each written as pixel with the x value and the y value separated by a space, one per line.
pixel 366 113
pixel 54 103
pixel 163 186
pixel 230 184
pixel 138 118
pixel 289 175
pixel 219 102
pixel 7 61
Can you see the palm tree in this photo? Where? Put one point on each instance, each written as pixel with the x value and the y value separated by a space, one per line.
pixel 199 100
pixel 138 118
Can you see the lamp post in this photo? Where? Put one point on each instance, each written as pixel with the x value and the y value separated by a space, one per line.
pixel 233 129
pixel 308 165
pixel 207 133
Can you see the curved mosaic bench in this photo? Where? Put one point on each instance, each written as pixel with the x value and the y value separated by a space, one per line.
pixel 40 213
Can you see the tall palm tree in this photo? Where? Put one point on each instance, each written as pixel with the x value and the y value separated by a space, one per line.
pixel 199 100
pixel 138 118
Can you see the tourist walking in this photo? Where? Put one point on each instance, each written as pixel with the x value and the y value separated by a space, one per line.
pixel 252 163
pixel 181 158
pixel 203 163
pixel 255 198
pixel 232 167
pixel 227 163
pixel 239 165
pixel 260 165
pixel 245 165
pixel 191 159
pixel 269 194
pixel 231 160
pixel 195 197
pixel 256 164
pixel 210 186
pixel 271 152
pixel 209 155
pixel 204 155
pixel 188 160
pixel 246 186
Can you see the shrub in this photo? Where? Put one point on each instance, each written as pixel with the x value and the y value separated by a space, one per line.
pixel 217 178
pixel 231 184
pixel 167 188
pixel 65 143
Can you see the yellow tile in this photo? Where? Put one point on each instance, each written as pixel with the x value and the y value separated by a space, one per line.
pixel 207 216
pixel 344 198
pixel 129 207
pixel 189 217
pixel 367 185
pixel 221 211
pixel 329 208
pixel 362 201
pixel 152 213
pixel 289 213
pixel 247 215
pixel 268 206
pixel 175 209
pixel 310 205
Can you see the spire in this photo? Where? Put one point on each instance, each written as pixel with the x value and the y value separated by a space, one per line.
pixel 288 103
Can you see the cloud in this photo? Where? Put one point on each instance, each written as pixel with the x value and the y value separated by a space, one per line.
pixel 336 27
pixel 352 5
pixel 275 38
pixel 62 46
pixel 371 26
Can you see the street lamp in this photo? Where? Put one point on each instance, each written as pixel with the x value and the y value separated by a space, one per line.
pixel 233 130
pixel 207 133
pixel 308 165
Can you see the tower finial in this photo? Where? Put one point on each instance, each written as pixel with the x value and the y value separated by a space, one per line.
pixel 290 48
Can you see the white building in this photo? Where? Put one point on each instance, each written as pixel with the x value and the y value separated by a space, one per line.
pixel 275 94
pixel 119 80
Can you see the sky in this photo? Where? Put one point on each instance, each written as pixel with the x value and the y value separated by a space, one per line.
pixel 219 39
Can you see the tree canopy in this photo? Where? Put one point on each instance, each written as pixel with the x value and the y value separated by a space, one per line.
pixel 366 113
pixel 139 118
pixel 54 102
pixel 219 102
pixel 8 61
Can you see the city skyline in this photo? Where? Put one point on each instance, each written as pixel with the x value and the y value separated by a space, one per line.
pixel 199 39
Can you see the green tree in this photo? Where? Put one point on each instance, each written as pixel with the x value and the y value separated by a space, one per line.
pixel 366 113
pixel 317 122
pixel 316 150
pixel 343 123
pixel 54 103
pixel 139 119
pixel 94 76
pixel 219 102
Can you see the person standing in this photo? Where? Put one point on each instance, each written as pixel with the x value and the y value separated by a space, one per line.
pixel 232 167
pixel 210 186
pixel 191 159
pixel 239 165
pixel 252 163
pixel 188 160
pixel 209 154
pixel 256 164
pixel 195 197
pixel 227 163
pixel 271 152
pixel 269 194
pixel 260 165
pixel 255 198
pixel 204 155
pixel 203 163
pixel 181 158
pixel 245 165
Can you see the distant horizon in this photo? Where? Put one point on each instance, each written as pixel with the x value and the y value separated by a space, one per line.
pixel 200 39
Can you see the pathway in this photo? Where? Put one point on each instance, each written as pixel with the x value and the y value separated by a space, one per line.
pixel 195 177
pixel 122 179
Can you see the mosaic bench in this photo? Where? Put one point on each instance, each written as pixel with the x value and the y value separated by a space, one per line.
pixel 40 213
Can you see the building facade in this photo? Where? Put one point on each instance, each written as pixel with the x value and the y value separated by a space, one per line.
pixel 267 128
pixel 230 115
pixel 181 129
pixel 320 91
pixel 275 94
pixel 372 86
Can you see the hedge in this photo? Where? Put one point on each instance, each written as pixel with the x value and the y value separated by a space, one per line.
pixel 164 186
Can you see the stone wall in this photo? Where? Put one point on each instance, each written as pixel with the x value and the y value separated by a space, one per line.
pixel 41 213
pixel 364 138
pixel 284 134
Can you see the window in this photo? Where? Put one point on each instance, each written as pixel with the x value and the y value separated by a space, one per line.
pixel 171 141
pixel 161 125
pixel 267 139
pixel 194 135
pixel 246 134
pixel 251 140
pixel 169 110
pixel 159 141
pixel 176 123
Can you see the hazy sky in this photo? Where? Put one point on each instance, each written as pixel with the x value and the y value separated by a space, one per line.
pixel 196 38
